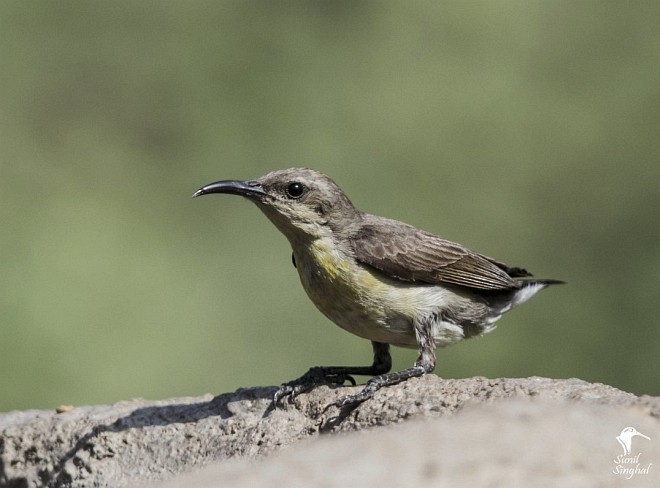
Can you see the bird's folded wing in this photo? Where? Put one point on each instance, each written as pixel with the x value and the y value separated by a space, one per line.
pixel 404 252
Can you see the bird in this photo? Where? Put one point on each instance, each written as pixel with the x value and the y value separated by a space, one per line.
pixel 625 438
pixel 380 279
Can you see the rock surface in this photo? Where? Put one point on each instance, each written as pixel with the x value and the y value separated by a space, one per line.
pixel 476 431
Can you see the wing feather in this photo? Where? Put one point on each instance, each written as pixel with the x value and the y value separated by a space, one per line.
pixel 409 254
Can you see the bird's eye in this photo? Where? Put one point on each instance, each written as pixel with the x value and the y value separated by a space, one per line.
pixel 295 190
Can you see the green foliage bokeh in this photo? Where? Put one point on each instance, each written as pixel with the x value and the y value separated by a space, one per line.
pixel 529 131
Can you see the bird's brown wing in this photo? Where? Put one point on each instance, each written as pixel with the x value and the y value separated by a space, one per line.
pixel 404 252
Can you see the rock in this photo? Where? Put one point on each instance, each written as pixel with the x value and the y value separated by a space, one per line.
pixel 468 431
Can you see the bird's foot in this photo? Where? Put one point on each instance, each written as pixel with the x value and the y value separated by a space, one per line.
pixel 312 378
pixel 349 402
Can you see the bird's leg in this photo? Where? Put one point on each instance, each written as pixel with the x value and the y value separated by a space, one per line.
pixel 425 364
pixel 337 375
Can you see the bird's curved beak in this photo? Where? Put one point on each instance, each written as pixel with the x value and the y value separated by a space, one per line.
pixel 249 189
pixel 642 435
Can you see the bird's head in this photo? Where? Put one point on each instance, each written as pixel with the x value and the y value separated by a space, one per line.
pixel 630 432
pixel 302 203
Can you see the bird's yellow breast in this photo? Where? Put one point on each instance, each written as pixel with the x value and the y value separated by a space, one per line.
pixel 354 297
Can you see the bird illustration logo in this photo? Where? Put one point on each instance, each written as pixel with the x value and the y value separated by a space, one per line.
pixel 625 438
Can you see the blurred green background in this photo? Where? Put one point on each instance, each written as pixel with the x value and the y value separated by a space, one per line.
pixel 529 131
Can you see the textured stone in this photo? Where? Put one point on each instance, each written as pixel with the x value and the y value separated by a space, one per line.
pixel 475 429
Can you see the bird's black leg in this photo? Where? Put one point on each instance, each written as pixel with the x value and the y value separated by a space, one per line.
pixel 425 364
pixel 337 375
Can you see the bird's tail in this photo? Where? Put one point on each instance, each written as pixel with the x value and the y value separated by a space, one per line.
pixel 530 287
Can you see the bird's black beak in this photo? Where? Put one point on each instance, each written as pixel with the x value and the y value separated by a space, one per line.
pixel 250 189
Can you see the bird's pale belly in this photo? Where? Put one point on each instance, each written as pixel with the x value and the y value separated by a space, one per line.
pixel 373 306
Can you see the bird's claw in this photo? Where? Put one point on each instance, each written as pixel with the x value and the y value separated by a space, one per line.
pixel 314 377
pixel 284 391
pixel 349 402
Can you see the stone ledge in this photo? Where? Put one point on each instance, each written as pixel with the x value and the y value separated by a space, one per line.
pixel 137 441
